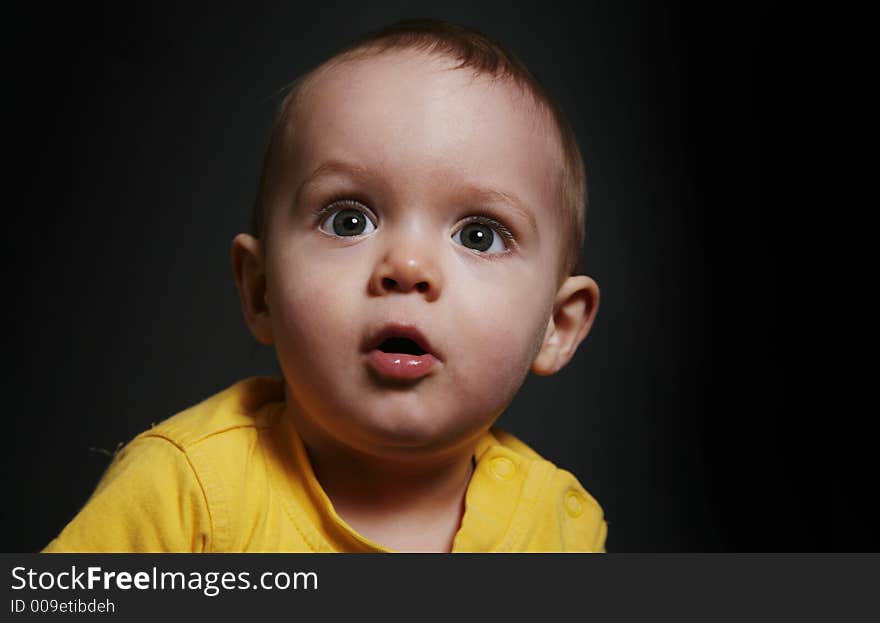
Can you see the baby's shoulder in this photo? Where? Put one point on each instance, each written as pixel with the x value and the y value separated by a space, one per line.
pixel 240 410
pixel 559 481
pixel 558 496
pixel 223 440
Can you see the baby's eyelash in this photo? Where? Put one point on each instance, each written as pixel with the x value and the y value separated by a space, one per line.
pixel 336 203
pixel 491 222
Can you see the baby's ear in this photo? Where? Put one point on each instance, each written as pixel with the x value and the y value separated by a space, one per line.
pixel 250 279
pixel 574 309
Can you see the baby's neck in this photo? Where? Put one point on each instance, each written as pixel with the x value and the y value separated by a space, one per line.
pixel 401 504
pixel 401 513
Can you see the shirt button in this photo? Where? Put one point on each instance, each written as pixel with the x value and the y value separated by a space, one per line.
pixel 573 504
pixel 502 467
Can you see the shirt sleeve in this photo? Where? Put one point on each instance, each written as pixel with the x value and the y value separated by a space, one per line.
pixel 150 499
pixel 600 540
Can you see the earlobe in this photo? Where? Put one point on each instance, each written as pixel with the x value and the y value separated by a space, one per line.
pixel 545 360
pixel 574 310
pixel 250 279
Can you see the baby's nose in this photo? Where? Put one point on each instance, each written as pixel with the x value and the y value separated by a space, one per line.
pixel 407 267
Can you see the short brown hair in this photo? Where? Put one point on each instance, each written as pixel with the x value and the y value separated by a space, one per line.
pixel 483 55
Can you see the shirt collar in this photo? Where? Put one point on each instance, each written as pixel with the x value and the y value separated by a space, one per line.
pixel 491 499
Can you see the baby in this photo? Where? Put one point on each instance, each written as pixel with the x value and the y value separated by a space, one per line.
pixel 415 253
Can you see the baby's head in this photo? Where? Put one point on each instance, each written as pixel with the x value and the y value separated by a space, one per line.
pixel 421 195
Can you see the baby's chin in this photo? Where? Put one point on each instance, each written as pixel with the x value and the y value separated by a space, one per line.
pixel 411 433
pixel 432 416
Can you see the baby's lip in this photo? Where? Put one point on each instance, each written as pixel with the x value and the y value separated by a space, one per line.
pixel 403 330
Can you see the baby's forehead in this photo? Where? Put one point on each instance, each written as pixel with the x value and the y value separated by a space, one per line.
pixel 416 114
pixel 376 68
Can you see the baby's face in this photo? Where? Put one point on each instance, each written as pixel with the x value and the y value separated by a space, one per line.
pixel 383 212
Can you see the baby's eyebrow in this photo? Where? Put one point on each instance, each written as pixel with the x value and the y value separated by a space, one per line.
pixel 332 167
pixel 492 195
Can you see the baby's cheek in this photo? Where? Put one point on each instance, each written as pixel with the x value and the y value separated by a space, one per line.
pixel 311 314
pixel 495 358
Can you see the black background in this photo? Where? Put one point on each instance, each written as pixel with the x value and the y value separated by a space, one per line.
pixel 134 137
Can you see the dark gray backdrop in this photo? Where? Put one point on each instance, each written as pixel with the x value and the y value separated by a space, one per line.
pixel 135 137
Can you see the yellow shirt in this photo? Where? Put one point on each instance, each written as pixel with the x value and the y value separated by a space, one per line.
pixel 231 475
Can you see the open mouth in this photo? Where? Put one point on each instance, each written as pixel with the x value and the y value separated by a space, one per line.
pixel 401 353
pixel 401 345
pixel 401 339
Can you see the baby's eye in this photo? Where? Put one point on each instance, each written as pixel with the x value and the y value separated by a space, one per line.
pixel 347 220
pixel 479 235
